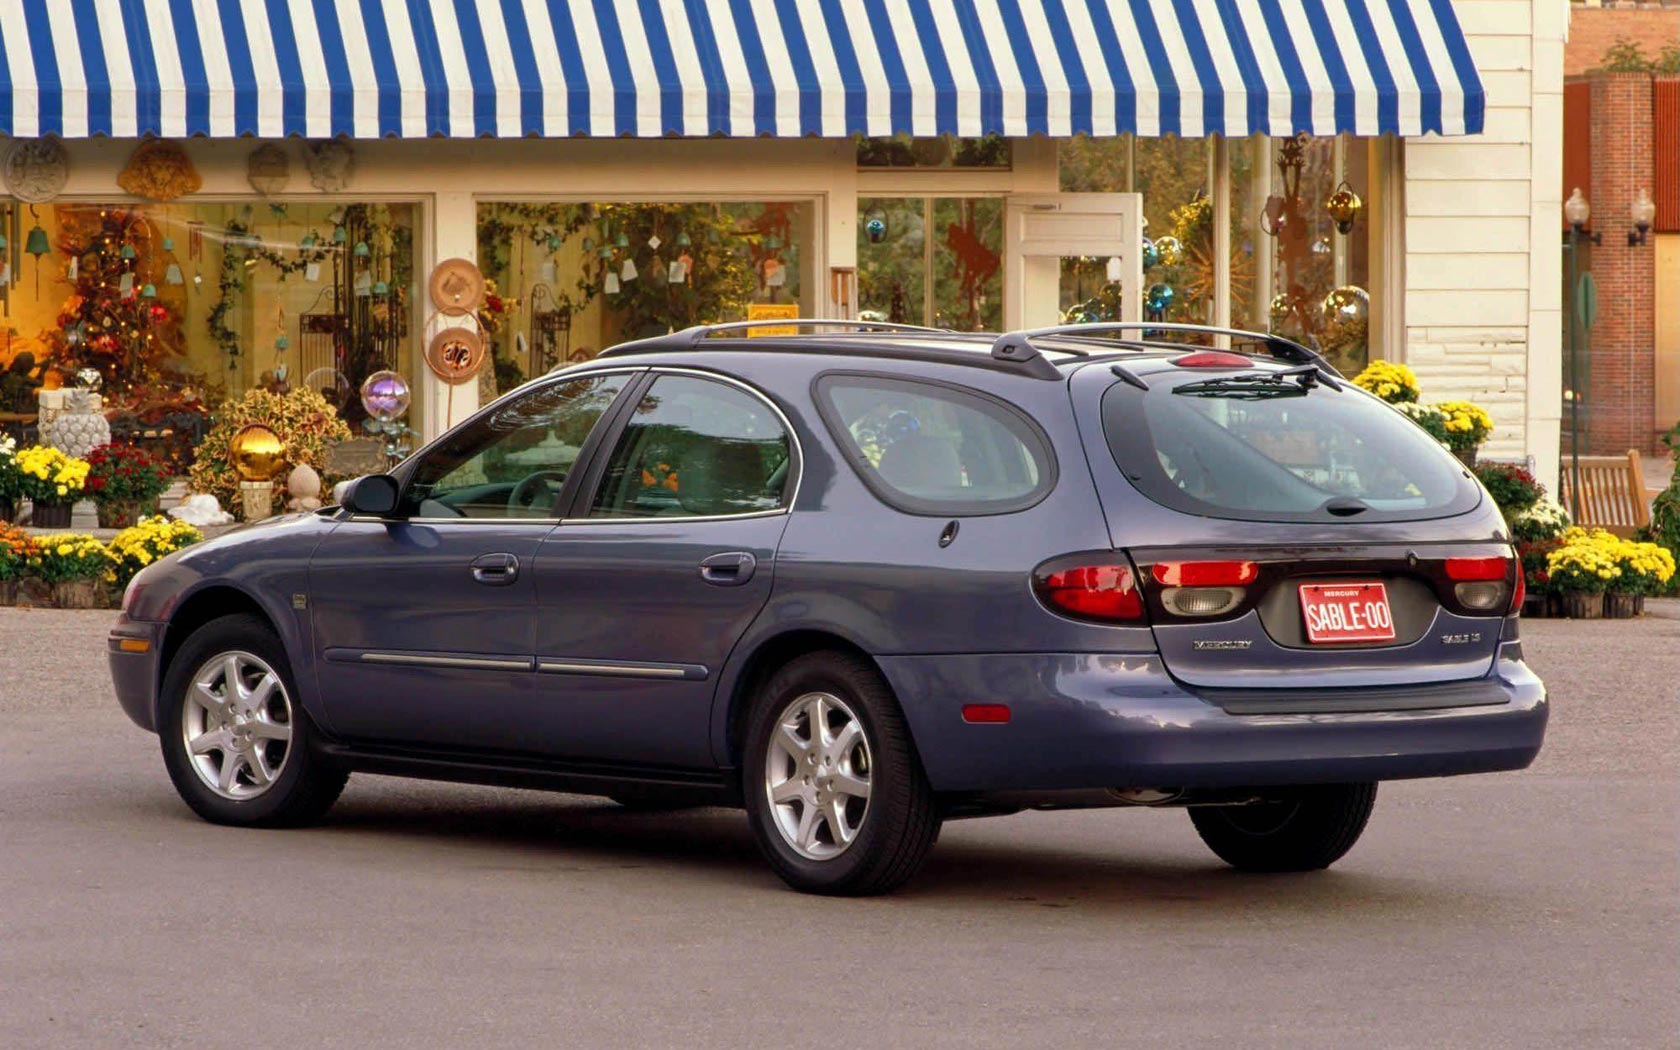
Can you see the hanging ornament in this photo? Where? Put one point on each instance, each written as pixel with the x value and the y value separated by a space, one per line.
pixel 678 273
pixel 309 241
pixel 125 284
pixel 364 284
pixel 621 241
pixel 654 242
pixel 605 252
pixel 128 253
pixel 74 269
pixel 547 273
pixel 875 227
pixel 627 272
pixel 610 285
pixel 1151 254
pixel 381 289
pixel 682 239
pixel 1171 251
pixel 36 244
pixel 339 235
pixel 657 272
pixel 1113 270
pixel 172 273
pixel 1160 297
pixel 1344 207
pixel 361 250
pixel 148 291
pixel 281 344
pixel 589 244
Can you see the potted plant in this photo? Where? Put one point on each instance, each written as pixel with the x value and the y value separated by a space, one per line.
pixel 74 565
pixel 53 483
pixel 148 540
pixel 16 548
pixel 1512 487
pixel 1467 425
pixel 1389 380
pixel 1430 418
pixel 1536 532
pixel 125 483
pixel 8 478
pixel 1646 569
pixel 1581 570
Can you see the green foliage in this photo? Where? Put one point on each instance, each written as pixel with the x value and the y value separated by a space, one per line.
pixel 303 420
pixel 1665 509
pixel 1628 56
pixel 1513 488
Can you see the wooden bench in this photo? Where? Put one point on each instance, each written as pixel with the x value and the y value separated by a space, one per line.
pixel 1612 493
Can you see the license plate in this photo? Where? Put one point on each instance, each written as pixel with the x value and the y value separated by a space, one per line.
pixel 1346 612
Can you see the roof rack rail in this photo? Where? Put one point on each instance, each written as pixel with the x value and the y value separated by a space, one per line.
pixel 1017 346
pixel 689 338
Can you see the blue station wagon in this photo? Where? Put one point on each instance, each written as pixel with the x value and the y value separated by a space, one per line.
pixel 863 579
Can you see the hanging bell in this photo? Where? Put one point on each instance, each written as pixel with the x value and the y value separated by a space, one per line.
pixel 282 344
pixel 339 235
pixel 682 240
pixel 128 253
pixel 1344 207
pixel 361 250
pixel 621 241
pixel 554 242
pixel 169 244
pixel 309 241
pixel 381 289
pixel 148 291
pixel 36 243
pixel 605 252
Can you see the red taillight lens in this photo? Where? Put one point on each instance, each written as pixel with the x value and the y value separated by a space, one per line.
pixel 1094 592
pixel 1518 593
pixel 1205 573
pixel 985 714
pixel 1461 569
pixel 1212 359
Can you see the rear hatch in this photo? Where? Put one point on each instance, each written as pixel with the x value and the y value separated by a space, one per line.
pixel 1285 530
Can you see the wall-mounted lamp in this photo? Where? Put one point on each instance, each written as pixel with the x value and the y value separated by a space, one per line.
pixel 1643 212
pixel 1577 211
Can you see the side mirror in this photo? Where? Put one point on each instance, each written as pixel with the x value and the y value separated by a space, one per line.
pixel 374 495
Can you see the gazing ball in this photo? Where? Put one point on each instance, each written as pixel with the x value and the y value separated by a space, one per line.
pixel 1280 310
pixel 1171 251
pixel 1151 254
pixel 385 395
pixel 1160 297
pixel 1347 304
pixel 875 228
pixel 331 384
pixel 256 452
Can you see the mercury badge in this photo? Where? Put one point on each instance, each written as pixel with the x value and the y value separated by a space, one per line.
pixel 1220 644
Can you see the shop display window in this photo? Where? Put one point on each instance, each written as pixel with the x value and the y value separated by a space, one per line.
pixel 931 260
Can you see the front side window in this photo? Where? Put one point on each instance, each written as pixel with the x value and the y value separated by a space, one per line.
pixel 512 461
pixel 696 448
pixel 927 448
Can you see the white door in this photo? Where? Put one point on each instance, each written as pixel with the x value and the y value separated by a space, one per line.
pixel 1042 229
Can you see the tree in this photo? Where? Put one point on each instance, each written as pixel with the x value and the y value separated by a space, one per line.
pixel 113 319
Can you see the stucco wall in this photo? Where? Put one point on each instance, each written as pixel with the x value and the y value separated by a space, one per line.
pixel 1483 270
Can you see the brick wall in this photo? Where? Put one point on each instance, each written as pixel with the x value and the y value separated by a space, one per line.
pixel 1593 29
pixel 1620 405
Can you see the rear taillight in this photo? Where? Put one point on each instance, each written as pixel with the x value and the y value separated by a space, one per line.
pixel 1518 593
pixel 1205 573
pixel 1212 359
pixel 1106 592
pixel 1482 584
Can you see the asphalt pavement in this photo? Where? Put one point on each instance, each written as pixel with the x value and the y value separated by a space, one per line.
pixel 1532 909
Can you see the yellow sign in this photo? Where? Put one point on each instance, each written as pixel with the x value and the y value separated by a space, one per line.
pixel 773 312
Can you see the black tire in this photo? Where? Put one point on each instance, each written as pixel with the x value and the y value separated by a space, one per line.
pixel 1296 829
pixel 307 784
pixel 901 821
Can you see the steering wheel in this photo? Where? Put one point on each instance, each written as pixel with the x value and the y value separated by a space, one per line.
pixel 538 485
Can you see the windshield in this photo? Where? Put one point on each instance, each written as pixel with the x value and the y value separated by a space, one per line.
pixel 1259 446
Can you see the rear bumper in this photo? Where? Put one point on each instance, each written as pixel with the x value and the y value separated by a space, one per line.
pixel 134 674
pixel 1083 720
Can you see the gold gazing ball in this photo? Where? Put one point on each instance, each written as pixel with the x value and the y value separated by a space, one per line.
pixel 1344 207
pixel 256 452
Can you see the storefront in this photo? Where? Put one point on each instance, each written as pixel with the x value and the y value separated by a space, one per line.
pixel 228 200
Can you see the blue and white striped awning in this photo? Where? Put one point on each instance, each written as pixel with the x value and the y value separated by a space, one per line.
pixel 462 68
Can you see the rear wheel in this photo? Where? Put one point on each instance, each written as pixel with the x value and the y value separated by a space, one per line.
pixel 237 744
pixel 834 790
pixel 1296 829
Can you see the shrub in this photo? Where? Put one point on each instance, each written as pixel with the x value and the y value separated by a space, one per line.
pixel 1430 418
pixel 8 467
pixel 1512 487
pixel 1665 509
pixel 1546 520
pixel 16 548
pixel 303 420
pixel 1467 424
pixel 152 538
pixel 1393 382
pixel 69 556
pixel 47 475
pixel 124 473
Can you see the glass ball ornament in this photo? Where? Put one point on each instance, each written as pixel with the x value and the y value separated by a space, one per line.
pixel 1159 297
pixel 256 452
pixel 1172 252
pixel 1349 304
pixel 1151 254
pixel 875 227
pixel 1344 207
pixel 385 395
pixel 331 384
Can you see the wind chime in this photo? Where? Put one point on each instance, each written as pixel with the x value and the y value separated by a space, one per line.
pixel 37 245
pixel 551 331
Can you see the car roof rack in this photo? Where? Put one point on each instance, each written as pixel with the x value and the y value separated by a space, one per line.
pixel 1018 346
pixel 696 338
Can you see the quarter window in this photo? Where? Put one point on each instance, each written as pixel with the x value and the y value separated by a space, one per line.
pixel 927 448
pixel 512 461
pixel 696 448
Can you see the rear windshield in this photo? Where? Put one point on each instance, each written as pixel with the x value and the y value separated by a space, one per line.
pixel 1228 446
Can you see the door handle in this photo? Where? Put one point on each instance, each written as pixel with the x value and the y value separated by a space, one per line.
pixel 730 569
pixel 495 570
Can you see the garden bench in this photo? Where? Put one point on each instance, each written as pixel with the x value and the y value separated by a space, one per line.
pixel 1612 493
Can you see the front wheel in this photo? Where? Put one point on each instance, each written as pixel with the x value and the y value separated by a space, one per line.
pixel 1295 829
pixel 834 790
pixel 235 741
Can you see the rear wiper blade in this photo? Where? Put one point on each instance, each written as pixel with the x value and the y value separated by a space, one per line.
pixel 1288 382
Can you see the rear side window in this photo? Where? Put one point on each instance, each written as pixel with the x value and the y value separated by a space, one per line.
pixel 1235 447
pixel 929 448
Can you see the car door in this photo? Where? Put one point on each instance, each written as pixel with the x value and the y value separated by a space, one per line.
pixel 423 621
pixel 669 557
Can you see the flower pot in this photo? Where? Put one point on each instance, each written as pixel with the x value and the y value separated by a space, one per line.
pixel 8 509
pixel 1583 605
pixel 1536 606
pixel 1639 605
pixel 121 514
pixel 8 592
pixel 1466 456
pixel 50 515
pixel 76 594
pixel 1620 605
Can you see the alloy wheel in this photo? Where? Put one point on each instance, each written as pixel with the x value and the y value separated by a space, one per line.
pixel 817 775
pixel 236 725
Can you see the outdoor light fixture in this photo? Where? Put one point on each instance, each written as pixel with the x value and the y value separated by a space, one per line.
pixel 1578 211
pixel 1643 211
